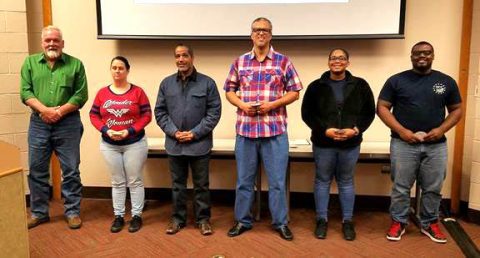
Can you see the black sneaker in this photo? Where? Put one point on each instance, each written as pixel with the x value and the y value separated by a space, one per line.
pixel 135 224
pixel 321 229
pixel 117 224
pixel 348 230
pixel 285 232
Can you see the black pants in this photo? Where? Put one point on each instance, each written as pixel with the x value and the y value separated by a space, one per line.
pixel 179 171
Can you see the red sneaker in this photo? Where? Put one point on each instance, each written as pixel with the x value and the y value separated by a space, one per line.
pixel 433 232
pixel 396 231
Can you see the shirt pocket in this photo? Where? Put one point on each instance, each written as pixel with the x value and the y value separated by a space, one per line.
pixel 65 83
pixel 246 77
pixel 199 100
pixel 274 83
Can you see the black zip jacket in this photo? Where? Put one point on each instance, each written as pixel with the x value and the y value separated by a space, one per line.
pixel 320 110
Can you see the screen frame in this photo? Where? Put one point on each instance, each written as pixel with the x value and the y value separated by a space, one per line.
pixel 399 35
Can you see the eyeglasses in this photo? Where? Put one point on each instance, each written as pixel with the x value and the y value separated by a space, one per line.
pixel 338 58
pixel 424 52
pixel 260 30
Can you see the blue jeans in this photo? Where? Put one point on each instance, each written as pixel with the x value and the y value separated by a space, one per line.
pixel 273 152
pixel 126 166
pixel 338 163
pixel 425 163
pixel 62 137
pixel 179 172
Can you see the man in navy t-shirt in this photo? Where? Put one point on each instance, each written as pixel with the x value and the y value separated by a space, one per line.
pixel 418 147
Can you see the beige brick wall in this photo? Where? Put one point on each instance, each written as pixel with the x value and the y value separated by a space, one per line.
pixel 2 22
pixel 473 113
pixel 16 22
pixel 12 6
pixel 13 50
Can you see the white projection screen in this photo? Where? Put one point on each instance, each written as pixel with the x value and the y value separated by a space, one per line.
pixel 231 19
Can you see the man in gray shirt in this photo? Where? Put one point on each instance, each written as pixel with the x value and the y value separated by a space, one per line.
pixel 188 108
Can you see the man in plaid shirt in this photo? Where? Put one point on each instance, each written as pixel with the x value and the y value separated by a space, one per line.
pixel 260 84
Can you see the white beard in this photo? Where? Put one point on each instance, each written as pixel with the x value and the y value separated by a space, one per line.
pixel 52 54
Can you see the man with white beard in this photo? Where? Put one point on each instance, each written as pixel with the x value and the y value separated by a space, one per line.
pixel 54 86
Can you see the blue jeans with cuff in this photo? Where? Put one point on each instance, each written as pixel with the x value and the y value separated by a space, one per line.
pixel 63 138
pixel 424 163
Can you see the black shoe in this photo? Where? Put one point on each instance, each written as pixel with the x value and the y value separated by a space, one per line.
pixel 348 230
pixel 117 224
pixel 321 229
pixel 285 232
pixel 135 224
pixel 237 229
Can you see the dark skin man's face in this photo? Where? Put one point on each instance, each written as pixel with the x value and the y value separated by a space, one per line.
pixel 422 57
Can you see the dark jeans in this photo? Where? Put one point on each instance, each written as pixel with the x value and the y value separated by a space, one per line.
pixel 179 172
pixel 62 137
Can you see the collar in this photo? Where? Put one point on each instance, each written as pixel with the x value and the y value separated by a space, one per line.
pixel 191 77
pixel 42 59
pixel 326 76
pixel 251 55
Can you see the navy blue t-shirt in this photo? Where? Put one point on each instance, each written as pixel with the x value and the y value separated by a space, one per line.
pixel 419 101
pixel 338 88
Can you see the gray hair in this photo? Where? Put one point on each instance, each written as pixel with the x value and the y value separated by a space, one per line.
pixel 51 27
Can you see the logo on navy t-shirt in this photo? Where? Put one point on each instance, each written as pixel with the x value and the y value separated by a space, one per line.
pixel 439 88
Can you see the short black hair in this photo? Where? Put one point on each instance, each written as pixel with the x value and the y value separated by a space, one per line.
pixel 422 43
pixel 123 59
pixel 188 47
pixel 341 49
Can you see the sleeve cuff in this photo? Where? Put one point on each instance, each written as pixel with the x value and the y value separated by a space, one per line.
pixel 131 131
pixel 357 131
pixel 104 129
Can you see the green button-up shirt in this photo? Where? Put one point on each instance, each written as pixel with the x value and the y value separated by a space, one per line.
pixel 65 82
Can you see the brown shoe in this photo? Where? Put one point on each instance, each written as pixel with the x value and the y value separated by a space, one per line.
pixel 205 228
pixel 173 227
pixel 74 222
pixel 33 221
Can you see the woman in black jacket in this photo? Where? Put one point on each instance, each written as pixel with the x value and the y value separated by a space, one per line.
pixel 338 108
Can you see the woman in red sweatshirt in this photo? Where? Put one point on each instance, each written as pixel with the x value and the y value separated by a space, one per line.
pixel 120 112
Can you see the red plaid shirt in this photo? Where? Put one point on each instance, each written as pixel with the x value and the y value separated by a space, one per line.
pixel 255 81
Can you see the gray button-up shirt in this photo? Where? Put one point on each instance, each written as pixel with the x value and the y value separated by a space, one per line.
pixel 190 105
